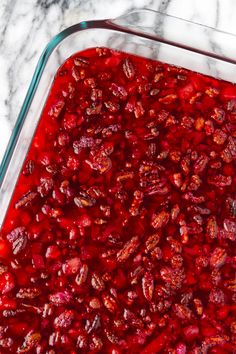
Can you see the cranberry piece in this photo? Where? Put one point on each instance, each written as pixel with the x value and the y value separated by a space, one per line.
pixel 71 266
pixel 191 333
pixel 7 282
pixel 4 249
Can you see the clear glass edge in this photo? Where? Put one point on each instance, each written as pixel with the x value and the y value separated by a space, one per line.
pixel 121 17
pixel 148 32
pixel 115 24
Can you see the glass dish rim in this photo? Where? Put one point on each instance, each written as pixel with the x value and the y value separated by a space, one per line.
pixel 109 24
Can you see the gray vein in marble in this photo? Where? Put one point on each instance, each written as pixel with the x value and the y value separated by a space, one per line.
pixel 6 15
pixel 217 13
pixel 163 7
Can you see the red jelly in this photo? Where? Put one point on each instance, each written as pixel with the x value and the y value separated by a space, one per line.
pixel 120 236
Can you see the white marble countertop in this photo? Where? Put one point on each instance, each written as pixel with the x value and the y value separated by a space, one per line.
pixel 26 26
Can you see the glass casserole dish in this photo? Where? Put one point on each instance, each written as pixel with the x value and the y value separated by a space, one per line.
pixel 173 41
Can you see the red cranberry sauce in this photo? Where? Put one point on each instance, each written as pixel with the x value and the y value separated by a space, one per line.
pixel 120 236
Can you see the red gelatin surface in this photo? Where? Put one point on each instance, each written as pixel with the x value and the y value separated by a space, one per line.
pixel 120 236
